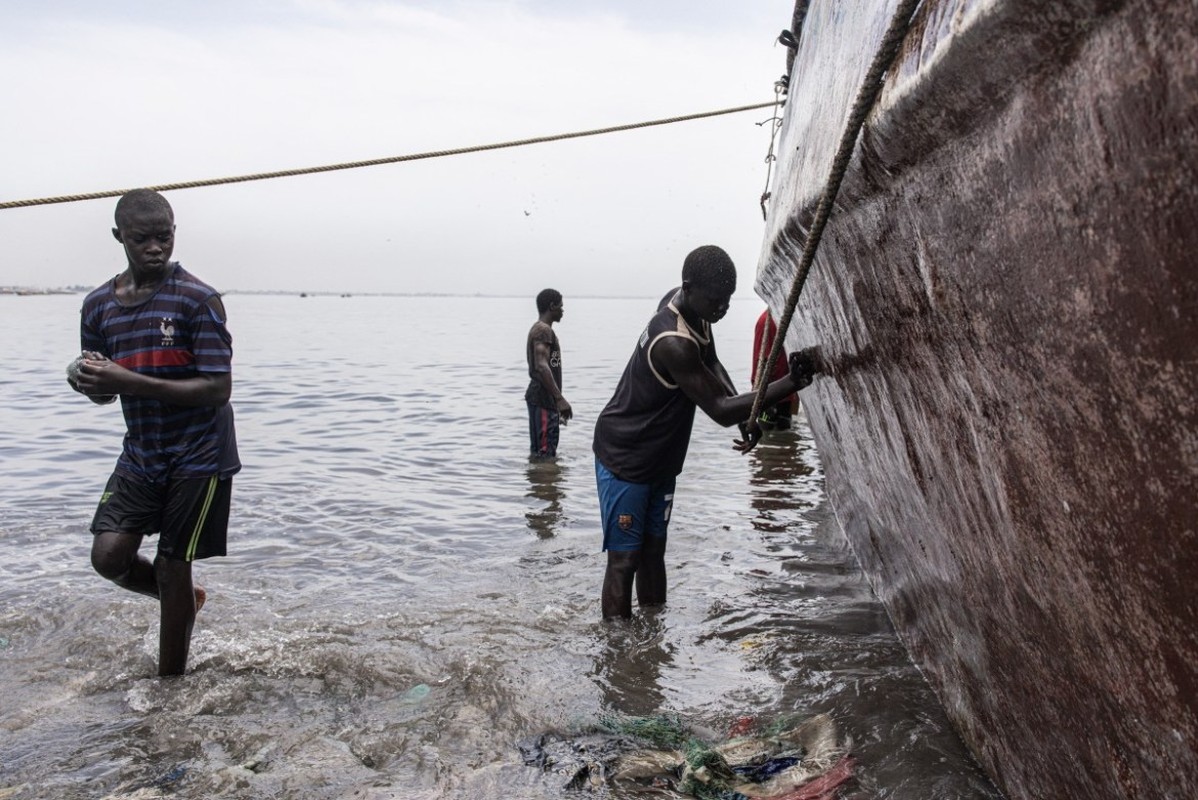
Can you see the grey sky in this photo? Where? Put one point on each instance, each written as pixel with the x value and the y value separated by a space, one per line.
pixel 131 93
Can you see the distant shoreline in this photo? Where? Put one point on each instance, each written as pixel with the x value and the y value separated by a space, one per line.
pixel 35 290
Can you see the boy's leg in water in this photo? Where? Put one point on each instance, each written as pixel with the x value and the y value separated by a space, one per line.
pixel 617 583
pixel 178 602
pixel 115 556
pixel 651 573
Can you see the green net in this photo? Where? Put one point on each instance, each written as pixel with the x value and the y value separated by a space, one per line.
pixel 707 774
pixel 666 731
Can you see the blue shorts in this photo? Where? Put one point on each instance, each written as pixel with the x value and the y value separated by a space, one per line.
pixel 544 425
pixel 632 511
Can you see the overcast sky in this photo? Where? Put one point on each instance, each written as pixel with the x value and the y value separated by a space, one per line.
pixel 101 96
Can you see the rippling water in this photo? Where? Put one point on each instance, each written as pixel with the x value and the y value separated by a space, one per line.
pixel 406 598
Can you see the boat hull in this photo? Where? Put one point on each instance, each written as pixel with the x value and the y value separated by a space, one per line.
pixel 1006 302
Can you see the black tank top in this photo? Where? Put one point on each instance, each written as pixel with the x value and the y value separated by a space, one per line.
pixel 643 433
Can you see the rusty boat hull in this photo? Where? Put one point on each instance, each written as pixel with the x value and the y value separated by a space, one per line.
pixel 1006 302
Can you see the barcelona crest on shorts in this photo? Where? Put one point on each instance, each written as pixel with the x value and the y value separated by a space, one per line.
pixel 624 521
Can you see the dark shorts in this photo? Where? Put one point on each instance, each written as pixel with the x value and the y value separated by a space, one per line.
pixel 191 515
pixel 632 512
pixel 544 425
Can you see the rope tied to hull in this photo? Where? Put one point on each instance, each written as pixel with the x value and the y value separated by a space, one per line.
pixel 867 95
pixel 787 40
pixel 775 123
pixel 288 173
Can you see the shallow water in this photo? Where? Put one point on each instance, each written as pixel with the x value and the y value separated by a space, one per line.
pixel 406 597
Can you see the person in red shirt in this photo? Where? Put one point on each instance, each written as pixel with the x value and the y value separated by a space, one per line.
pixel 778 416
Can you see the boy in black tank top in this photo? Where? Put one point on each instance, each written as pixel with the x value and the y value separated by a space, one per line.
pixel 642 435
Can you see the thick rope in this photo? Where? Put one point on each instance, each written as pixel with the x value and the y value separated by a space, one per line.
pixel 287 173
pixel 866 96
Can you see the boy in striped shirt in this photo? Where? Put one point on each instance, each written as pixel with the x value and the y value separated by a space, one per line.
pixel 155 336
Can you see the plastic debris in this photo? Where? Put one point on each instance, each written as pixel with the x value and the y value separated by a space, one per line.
pixel 661 756
pixel 170 777
pixel 416 693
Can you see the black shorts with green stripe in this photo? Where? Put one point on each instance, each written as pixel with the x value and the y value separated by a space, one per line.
pixel 191 515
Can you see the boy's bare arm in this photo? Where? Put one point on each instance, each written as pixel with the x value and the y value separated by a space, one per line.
pixel 706 389
pixel 545 373
pixel 540 357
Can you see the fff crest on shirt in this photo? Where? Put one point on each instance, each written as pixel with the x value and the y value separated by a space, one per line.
pixel 167 327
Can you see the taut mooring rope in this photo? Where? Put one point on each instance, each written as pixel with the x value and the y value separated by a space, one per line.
pixel 287 173
pixel 866 96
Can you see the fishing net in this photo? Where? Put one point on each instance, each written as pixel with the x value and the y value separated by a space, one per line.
pixel 663 756
pixel 666 731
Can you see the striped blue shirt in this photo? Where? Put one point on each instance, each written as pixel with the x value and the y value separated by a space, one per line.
pixel 172 334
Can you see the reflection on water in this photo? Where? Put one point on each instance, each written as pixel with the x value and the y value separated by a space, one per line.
pixel 406 597
pixel 779 463
pixel 629 667
pixel 545 481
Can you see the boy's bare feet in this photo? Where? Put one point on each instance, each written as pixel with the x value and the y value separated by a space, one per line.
pixel 201 597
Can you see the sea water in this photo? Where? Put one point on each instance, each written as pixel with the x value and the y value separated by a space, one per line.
pixel 407 598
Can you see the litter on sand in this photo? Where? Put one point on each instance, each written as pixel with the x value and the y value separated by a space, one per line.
pixel 661 756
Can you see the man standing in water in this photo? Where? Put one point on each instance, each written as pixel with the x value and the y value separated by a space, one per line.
pixel 547 408
pixel 155 335
pixel 641 437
